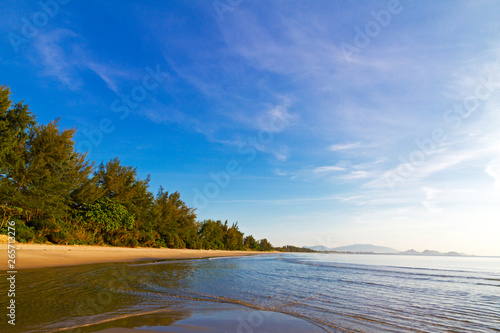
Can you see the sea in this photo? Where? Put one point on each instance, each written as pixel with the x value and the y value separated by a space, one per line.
pixel 278 292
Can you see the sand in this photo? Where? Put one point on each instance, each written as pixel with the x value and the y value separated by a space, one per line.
pixel 211 321
pixel 40 255
pixel 4 239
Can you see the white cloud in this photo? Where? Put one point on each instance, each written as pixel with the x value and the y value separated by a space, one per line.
pixel 430 203
pixel 280 172
pixel 357 174
pixel 276 119
pixel 63 58
pixel 328 168
pixel 110 74
pixel 57 61
pixel 349 146
pixel 493 170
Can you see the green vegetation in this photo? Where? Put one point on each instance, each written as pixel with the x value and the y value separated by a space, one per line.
pixel 56 195
pixel 291 248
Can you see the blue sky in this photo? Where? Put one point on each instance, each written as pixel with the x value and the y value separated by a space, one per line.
pixel 308 122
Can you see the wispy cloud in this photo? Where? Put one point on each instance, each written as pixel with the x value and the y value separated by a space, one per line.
pixel 328 168
pixel 429 203
pixel 110 74
pixel 282 201
pixel 357 174
pixel 493 170
pixel 349 146
pixel 277 118
pixel 59 61
pixel 64 58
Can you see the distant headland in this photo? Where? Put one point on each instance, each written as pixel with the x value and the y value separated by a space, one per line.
pixel 374 249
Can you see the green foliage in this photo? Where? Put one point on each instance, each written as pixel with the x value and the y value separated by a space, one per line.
pixel 8 213
pixel 251 244
pixel 175 222
pixel 233 238
pixel 211 234
pixel 15 122
pixel 291 248
pixel 53 171
pixel 265 245
pixel 24 234
pixel 106 215
pixel 55 194
pixel 121 184
pixel 219 236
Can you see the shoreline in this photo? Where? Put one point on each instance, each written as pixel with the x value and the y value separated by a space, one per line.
pixel 221 320
pixel 30 256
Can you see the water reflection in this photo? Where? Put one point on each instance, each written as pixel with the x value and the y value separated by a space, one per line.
pixel 50 299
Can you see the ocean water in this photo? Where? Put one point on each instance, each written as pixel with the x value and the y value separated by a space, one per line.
pixel 328 292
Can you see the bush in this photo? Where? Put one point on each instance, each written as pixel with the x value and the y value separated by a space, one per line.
pixel 106 215
pixel 24 233
pixel 58 237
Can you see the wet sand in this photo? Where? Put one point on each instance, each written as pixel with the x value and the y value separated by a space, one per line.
pixel 241 320
pixel 40 255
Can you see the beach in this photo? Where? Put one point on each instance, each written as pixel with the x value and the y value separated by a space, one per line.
pixel 30 256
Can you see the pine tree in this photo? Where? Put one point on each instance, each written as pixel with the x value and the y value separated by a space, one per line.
pixel 121 184
pixel 53 174
pixel 15 123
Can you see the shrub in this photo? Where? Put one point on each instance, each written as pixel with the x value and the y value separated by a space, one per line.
pixel 106 216
pixel 24 233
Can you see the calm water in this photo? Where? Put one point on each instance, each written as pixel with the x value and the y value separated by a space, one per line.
pixel 336 293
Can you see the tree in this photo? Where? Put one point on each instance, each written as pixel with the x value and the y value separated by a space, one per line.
pixel 251 244
pixel 52 172
pixel 291 248
pixel 219 236
pixel 233 238
pixel 175 221
pixel 106 217
pixel 212 235
pixel 265 245
pixel 15 123
pixel 121 184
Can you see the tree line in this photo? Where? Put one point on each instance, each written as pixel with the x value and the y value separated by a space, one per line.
pixel 291 248
pixel 55 194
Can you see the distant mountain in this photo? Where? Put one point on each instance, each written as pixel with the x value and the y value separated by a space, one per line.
pixel 355 248
pixel 455 254
pixel 365 248
pixel 431 253
pixel 317 248
pixel 411 252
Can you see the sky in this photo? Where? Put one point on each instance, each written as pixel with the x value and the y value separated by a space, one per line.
pixel 307 122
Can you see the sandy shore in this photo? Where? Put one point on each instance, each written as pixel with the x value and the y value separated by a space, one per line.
pixel 207 321
pixel 40 255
